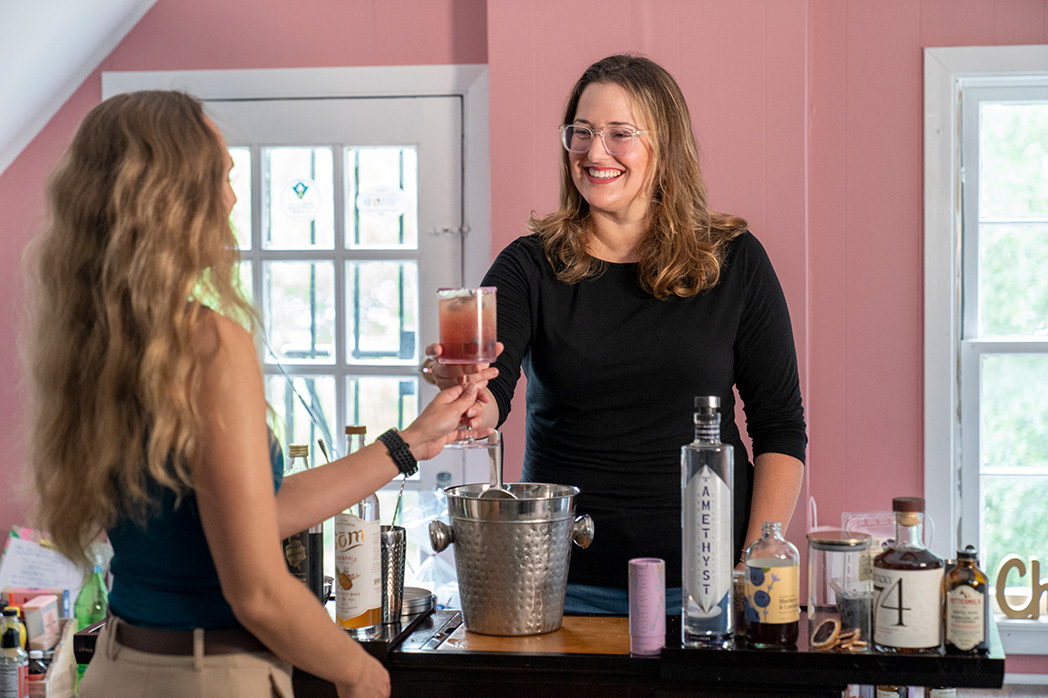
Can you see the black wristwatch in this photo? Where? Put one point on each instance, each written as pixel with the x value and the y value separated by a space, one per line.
pixel 400 452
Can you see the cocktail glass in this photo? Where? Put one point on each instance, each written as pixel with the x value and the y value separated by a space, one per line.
pixel 467 332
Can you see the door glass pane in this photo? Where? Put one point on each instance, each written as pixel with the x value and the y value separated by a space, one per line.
pixel 381 402
pixel 1013 412
pixel 240 178
pixel 300 310
pixel 382 311
pixel 1013 285
pixel 298 202
pixel 305 412
pixel 244 271
pixel 382 197
pixel 1013 160
pixel 1015 517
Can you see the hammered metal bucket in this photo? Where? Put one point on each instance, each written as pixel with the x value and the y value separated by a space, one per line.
pixel 512 555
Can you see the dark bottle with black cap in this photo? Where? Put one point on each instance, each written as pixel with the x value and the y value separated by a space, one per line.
pixel 966 611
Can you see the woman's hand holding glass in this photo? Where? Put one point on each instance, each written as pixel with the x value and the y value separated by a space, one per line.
pixel 445 376
pixel 444 419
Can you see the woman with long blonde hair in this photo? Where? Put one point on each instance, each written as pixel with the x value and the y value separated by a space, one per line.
pixel 149 422
pixel 622 306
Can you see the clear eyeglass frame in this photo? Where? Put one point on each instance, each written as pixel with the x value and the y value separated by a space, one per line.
pixel 619 143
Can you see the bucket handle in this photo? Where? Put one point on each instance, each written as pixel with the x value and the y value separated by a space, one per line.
pixel 440 535
pixel 582 531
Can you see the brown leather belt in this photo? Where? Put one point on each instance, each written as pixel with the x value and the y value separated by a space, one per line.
pixel 180 642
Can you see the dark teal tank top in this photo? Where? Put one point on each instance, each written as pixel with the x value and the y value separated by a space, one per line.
pixel 163 573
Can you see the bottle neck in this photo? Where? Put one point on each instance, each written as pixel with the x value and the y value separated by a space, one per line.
pixel 771 529
pixel 909 529
pixel 707 428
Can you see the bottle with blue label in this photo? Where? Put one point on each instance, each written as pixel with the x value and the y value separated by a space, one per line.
pixel 707 619
pixel 772 609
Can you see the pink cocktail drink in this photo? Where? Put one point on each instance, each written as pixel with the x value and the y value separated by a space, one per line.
pixel 467 325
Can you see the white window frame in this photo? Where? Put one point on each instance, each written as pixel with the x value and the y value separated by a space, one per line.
pixel 946 73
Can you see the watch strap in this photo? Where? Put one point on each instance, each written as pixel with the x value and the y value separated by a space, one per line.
pixel 399 451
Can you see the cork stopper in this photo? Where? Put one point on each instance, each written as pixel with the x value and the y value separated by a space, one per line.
pixel 356 429
pixel 298 451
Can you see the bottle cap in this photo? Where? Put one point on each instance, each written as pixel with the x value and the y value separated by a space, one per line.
pixel 707 401
pixel 298 450
pixel 10 611
pixel 908 504
pixel 969 553
pixel 36 654
pixel 356 429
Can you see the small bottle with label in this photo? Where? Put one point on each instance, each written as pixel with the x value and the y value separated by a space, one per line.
pixel 707 618
pixel 907 587
pixel 14 662
pixel 358 560
pixel 37 667
pixel 773 609
pixel 966 611
pixel 304 551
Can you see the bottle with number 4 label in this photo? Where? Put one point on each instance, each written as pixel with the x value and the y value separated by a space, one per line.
pixel 907 587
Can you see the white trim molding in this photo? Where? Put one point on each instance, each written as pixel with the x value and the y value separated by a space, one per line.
pixel 946 72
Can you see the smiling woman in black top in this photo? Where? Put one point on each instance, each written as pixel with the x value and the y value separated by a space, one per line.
pixel 623 305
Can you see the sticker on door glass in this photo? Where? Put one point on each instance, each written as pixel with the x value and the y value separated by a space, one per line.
pixel 382 199
pixel 300 199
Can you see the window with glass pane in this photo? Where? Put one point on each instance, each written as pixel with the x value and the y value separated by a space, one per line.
pixel 307 408
pixel 382 198
pixel 240 178
pixel 382 298
pixel 298 187
pixel 340 312
pixel 1005 328
pixel 300 310
pixel 382 400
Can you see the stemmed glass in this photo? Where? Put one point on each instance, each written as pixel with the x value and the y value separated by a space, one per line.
pixel 467 333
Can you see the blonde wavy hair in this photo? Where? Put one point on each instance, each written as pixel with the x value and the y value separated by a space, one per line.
pixel 683 250
pixel 138 241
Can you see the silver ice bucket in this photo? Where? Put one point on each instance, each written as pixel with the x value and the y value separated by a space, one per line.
pixel 512 555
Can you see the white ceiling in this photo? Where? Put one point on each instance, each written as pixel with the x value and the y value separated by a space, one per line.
pixel 47 50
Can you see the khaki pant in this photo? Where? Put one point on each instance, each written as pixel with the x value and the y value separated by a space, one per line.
pixel 116 671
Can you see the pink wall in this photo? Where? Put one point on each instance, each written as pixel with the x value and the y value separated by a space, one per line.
pixel 809 116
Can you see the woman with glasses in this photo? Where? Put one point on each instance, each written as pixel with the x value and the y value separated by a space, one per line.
pixel 149 423
pixel 622 306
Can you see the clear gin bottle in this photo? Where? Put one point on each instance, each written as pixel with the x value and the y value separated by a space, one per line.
pixel 706 511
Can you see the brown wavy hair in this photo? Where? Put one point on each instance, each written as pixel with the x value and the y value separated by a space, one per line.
pixel 138 240
pixel 683 250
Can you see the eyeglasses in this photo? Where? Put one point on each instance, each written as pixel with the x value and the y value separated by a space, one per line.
pixel 618 140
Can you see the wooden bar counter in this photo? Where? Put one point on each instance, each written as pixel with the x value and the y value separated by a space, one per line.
pixel 435 657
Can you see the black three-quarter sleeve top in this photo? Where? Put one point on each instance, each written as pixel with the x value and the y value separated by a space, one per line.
pixel 612 376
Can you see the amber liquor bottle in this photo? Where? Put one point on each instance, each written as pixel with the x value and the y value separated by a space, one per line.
pixel 907 587
pixel 966 611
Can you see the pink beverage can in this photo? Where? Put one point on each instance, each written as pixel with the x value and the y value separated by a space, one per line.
pixel 647 588
pixel 467 324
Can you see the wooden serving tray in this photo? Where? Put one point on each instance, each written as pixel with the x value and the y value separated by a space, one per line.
pixel 577 635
